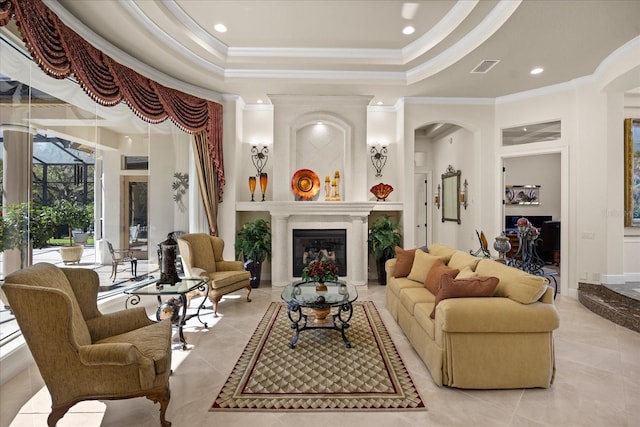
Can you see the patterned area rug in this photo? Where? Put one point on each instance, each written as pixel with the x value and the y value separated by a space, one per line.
pixel 320 373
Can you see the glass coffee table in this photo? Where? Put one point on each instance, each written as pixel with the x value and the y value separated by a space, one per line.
pixel 171 308
pixel 330 309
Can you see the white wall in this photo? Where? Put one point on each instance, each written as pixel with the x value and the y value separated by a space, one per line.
pixel 471 151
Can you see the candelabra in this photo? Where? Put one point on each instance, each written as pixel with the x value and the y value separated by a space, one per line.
pixel 378 159
pixel 259 158
pixel 526 258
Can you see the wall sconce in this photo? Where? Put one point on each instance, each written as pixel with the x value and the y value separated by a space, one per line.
pixel 259 157
pixel 379 159
pixel 464 194
pixel 436 198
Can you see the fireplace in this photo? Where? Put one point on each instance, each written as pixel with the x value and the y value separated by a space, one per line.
pixel 317 243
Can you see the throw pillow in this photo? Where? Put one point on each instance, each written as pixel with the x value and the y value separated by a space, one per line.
pixel 461 260
pixel 404 261
pixel 422 263
pixel 466 273
pixel 438 249
pixel 514 284
pixel 432 281
pixel 461 288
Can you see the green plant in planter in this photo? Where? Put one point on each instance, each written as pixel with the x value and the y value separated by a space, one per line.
pixel 72 215
pixel 384 236
pixel 22 223
pixel 253 245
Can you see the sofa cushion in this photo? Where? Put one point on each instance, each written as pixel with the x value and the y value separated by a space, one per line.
pixel 466 273
pixel 404 261
pixel 432 281
pixel 514 284
pixel 421 313
pixel 461 288
pixel 397 285
pixel 222 279
pixel 412 296
pixel 461 259
pixel 438 249
pixel 422 263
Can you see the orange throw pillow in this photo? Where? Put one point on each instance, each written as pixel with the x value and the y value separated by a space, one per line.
pixel 432 282
pixel 404 261
pixel 461 288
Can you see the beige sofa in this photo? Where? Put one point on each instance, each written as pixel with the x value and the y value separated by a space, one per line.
pixel 497 342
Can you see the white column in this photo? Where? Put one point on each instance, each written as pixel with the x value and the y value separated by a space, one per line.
pixel 357 256
pixel 279 254
pixel 18 148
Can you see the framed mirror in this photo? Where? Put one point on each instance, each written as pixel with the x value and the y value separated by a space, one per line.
pixel 450 192
pixel 632 172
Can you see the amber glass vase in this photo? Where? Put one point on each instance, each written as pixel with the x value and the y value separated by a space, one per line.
pixel 252 186
pixel 263 183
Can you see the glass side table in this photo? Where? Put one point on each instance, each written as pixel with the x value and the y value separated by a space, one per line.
pixel 171 308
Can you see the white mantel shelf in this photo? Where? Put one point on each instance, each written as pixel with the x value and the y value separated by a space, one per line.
pixel 317 208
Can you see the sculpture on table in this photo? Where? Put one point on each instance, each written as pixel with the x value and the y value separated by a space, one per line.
pixel 526 258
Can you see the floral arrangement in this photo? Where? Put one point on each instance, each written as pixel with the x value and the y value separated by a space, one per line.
pixel 320 270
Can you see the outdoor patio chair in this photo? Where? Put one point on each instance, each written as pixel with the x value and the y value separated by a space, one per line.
pixel 119 256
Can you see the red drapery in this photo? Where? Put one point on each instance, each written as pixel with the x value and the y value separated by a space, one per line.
pixel 61 52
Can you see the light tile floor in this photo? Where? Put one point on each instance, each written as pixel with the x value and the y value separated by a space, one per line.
pixel 597 381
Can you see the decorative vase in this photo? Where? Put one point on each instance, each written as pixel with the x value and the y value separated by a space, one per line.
pixel 321 287
pixel 252 186
pixel 263 183
pixel 502 245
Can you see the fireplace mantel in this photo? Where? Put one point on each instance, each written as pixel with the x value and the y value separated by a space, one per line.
pixel 289 215
pixel 318 208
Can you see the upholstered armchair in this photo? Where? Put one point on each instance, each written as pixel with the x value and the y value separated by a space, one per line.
pixel 202 256
pixel 81 353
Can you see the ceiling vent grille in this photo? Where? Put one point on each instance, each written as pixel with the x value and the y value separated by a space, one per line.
pixel 485 66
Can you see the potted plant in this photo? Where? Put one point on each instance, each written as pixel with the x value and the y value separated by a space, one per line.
pixel 22 224
pixel 253 246
pixel 72 215
pixel 384 236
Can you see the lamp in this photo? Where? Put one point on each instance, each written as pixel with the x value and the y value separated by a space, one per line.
pixel 436 198
pixel 378 159
pixel 259 157
pixel 464 194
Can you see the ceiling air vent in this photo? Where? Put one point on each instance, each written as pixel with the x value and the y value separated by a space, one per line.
pixel 485 66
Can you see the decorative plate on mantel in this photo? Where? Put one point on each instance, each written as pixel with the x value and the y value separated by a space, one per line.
pixel 305 183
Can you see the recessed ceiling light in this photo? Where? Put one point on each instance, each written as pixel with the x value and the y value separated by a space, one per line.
pixel 408 30
pixel 259 101
pixel 319 122
pixel 380 103
pixel 536 70
pixel 221 28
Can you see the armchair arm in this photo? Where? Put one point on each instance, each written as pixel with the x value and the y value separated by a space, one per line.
pixel 229 266
pixel 118 354
pixel 119 322
pixel 197 272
